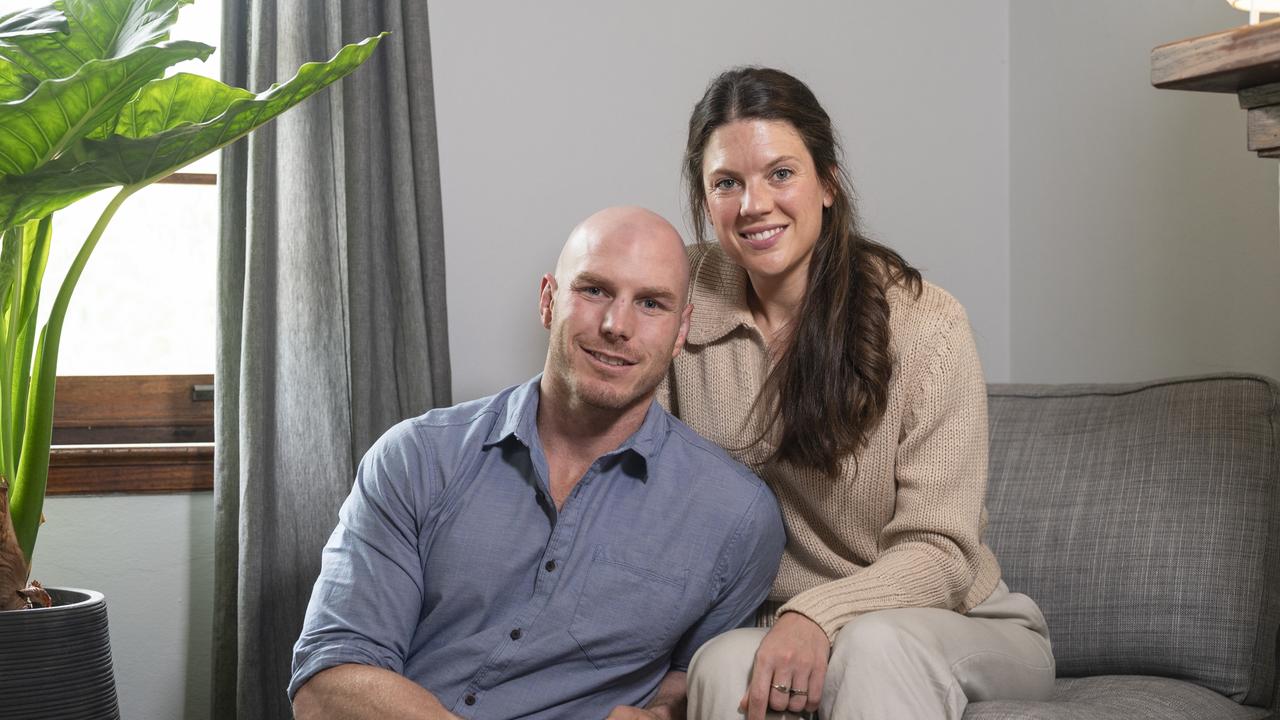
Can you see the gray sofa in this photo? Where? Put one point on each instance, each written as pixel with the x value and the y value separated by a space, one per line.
pixel 1145 520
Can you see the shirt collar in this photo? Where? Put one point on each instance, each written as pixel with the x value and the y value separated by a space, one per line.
pixel 718 291
pixel 520 420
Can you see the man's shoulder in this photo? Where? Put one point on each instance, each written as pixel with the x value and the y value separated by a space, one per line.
pixel 710 465
pixel 456 428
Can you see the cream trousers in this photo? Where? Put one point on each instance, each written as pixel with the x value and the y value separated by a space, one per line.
pixel 905 664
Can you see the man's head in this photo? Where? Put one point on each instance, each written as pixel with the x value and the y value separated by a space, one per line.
pixel 616 308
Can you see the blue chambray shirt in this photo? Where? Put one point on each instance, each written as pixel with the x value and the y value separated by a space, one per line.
pixel 451 565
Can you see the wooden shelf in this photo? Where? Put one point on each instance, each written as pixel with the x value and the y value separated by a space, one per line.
pixel 1225 62
pixel 1244 61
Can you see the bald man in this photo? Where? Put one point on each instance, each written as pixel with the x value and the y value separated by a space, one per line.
pixel 557 550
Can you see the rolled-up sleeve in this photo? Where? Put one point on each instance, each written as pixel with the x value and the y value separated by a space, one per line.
pixel 365 604
pixel 743 576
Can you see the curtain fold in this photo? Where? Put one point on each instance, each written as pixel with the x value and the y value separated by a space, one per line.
pixel 331 323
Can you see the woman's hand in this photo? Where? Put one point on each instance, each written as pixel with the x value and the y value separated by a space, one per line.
pixel 793 657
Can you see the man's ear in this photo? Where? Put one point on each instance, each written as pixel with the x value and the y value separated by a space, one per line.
pixel 546 298
pixel 684 330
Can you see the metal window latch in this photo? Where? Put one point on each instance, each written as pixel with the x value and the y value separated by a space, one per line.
pixel 202 393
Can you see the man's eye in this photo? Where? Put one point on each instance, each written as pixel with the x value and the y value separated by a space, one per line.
pixel 650 304
pixel 592 291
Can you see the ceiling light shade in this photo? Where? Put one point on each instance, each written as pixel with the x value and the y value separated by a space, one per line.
pixel 1262 6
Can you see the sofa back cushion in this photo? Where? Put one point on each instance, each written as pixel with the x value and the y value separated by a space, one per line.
pixel 1143 520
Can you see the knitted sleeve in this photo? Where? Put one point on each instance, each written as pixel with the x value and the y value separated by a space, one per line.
pixel 931 545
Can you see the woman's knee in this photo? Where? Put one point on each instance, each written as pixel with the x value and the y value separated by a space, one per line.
pixel 877 638
pixel 731 653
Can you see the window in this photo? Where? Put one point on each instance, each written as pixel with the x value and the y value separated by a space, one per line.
pixel 134 408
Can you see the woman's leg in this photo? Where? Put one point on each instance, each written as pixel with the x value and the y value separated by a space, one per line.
pixel 929 663
pixel 719 673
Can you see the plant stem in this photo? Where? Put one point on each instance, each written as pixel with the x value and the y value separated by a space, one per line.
pixel 27 500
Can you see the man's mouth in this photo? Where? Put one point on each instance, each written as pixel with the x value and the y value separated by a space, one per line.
pixel 611 360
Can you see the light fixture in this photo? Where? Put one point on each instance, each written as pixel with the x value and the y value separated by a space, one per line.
pixel 1256 8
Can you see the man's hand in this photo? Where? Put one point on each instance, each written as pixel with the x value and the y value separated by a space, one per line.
pixel 790 667
pixel 668 702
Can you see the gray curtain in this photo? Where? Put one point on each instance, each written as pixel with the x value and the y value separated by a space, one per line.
pixel 331 311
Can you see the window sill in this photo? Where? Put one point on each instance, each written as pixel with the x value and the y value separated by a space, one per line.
pixel 134 469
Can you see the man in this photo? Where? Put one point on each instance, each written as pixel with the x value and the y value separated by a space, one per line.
pixel 557 550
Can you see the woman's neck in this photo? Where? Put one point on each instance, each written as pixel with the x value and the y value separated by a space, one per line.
pixel 775 302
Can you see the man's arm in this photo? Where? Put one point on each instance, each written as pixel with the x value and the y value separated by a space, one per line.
pixel 668 704
pixel 362 692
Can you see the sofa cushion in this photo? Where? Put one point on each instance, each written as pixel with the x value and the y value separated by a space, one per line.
pixel 1142 518
pixel 1111 697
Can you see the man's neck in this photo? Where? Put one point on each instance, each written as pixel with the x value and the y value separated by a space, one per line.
pixel 575 434
pixel 591 430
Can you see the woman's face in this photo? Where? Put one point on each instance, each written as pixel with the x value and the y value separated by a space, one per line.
pixel 764 198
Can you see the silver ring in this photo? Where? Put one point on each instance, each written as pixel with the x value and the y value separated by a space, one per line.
pixel 783 689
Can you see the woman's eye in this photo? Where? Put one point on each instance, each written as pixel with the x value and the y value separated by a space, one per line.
pixel 783 173
pixel 724 184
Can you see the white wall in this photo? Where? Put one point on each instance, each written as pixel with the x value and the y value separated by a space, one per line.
pixel 1143 235
pixel 152 557
pixel 549 111
pixel 1096 228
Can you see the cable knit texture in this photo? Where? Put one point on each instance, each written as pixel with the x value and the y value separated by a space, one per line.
pixel 901 523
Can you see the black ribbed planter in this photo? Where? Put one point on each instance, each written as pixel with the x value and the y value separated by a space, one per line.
pixel 55 662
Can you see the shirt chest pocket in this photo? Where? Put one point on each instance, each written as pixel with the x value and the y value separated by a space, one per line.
pixel 629 608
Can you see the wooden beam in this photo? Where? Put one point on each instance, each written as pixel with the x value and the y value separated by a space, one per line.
pixel 1264 128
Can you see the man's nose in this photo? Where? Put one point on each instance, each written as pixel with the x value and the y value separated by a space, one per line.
pixel 618 321
pixel 757 199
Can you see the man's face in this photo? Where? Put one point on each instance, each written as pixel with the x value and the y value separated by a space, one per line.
pixel 617 316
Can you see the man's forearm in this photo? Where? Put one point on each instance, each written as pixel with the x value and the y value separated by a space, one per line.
pixel 670 702
pixel 361 692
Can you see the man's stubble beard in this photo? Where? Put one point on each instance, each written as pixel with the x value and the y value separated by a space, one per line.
pixel 600 395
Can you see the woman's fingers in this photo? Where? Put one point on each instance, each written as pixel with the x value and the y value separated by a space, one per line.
pixel 759 692
pixel 789 669
pixel 779 691
pixel 817 679
pixel 798 693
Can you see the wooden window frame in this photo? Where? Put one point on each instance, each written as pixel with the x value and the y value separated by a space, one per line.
pixel 144 434
pixel 132 434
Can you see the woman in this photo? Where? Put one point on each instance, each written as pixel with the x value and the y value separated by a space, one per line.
pixel 822 360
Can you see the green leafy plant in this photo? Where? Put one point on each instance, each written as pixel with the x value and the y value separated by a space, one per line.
pixel 85 106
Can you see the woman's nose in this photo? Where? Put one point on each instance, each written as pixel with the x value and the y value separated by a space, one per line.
pixel 756 200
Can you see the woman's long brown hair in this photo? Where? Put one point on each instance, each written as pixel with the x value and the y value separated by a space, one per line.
pixel 831 383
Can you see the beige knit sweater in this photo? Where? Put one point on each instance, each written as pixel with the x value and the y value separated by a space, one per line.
pixel 903 529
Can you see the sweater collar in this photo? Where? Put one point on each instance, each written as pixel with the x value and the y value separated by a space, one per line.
pixel 718 291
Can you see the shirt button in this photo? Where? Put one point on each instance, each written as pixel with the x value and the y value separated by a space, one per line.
pixel 550 566
pixel 515 634
pixel 469 699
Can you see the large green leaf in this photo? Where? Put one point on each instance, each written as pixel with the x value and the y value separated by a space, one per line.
pixel 170 123
pixel 98 30
pixel 39 127
pixel 29 22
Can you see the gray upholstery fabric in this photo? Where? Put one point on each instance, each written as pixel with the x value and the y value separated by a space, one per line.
pixel 1142 518
pixel 1111 697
